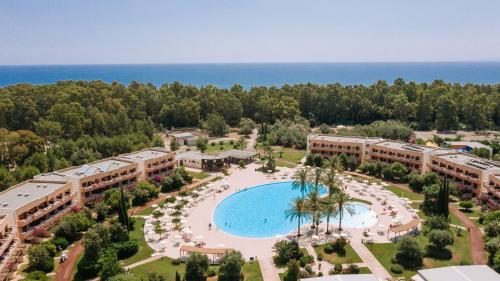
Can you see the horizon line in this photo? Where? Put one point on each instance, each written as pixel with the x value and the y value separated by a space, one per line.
pixel 249 63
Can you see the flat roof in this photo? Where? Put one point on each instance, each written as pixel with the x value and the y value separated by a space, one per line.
pixel 343 277
pixel 27 192
pixel 405 146
pixel 94 167
pixel 460 273
pixel 473 144
pixel 471 161
pixel 236 153
pixel 182 135
pixel 146 154
pixel 353 139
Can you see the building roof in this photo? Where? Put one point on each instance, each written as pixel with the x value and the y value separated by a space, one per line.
pixel 471 161
pixel 236 153
pixel 405 146
pixel 344 277
pixel 459 273
pixel 335 138
pixel 27 192
pixel 94 168
pixel 182 135
pixel 471 144
pixel 405 227
pixel 146 154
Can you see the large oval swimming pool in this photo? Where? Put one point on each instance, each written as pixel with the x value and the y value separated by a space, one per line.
pixel 259 212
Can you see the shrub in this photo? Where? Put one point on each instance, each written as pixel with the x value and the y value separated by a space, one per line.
pixel 396 268
pixel 71 226
pixel 352 269
pixel 320 274
pixel 409 253
pixel 230 267
pixel 176 262
pixel 196 267
pixel 36 276
pixel 437 222
pixel 293 271
pixel 328 248
pixel 440 238
pixel 211 273
pixel 466 204
pixel 337 269
pixel 308 269
pixel 126 249
pixel 320 257
pixel 40 258
pixel 306 259
pixel 286 251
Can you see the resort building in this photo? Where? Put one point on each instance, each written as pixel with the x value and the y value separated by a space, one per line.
pixel 154 163
pixel 491 194
pixel 469 173
pixel 184 138
pixel 467 146
pixel 214 162
pixel 93 179
pixel 330 145
pixel 35 205
pixel 11 249
pixel 457 273
pixel 412 156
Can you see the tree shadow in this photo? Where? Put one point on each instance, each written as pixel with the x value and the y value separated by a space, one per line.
pixel 438 254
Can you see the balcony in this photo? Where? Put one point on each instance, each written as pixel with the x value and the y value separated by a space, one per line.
pixel 99 196
pixel 454 173
pixel 48 222
pixel 160 166
pixel 5 242
pixel 109 182
pixel 9 257
pixel 42 212
pixel 396 158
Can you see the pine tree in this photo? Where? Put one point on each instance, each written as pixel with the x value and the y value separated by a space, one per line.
pixel 443 199
pixel 123 215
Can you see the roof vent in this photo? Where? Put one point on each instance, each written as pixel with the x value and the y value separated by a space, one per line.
pixel 5 204
pixel 19 194
pixel 45 186
pixel 37 185
pixel 26 194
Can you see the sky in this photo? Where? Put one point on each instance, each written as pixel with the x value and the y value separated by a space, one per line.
pixel 220 31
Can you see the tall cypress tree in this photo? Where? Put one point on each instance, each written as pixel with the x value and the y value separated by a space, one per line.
pixel 443 199
pixel 123 215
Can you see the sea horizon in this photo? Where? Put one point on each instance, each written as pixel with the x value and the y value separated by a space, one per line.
pixel 250 74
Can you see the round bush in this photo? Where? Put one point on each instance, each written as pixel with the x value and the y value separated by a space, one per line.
pixel 320 257
pixel 126 249
pixel 176 262
pixel 328 249
pixel 307 259
pixel 60 242
pixel 320 274
pixel 396 268
pixel 211 273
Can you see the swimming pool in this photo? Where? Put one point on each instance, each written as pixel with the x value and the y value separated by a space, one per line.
pixel 259 212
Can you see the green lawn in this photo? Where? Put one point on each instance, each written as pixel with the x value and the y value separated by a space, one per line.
pixel 198 175
pixel 165 267
pixel 146 211
pixel 350 256
pixel 422 215
pixel 280 163
pixel 364 270
pixel 226 146
pixel 405 193
pixel 289 154
pixel 144 250
pixel 460 254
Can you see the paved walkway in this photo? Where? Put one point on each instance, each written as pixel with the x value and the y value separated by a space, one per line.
pixel 475 236
pixel 65 269
pixel 141 262
pixel 370 261
pixel 252 140
pixel 268 270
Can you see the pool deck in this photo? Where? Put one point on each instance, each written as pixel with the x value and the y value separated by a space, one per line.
pixel 200 216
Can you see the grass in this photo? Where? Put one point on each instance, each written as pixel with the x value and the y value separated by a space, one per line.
pixel 281 163
pixel 144 250
pixel 74 273
pixel 364 270
pixel 225 146
pixel 453 219
pixel 289 154
pixel 198 175
pixel 146 211
pixel 165 267
pixel 350 255
pixel 460 254
pixel 403 193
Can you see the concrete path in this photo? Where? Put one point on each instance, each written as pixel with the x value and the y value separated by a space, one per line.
pixel 252 140
pixel 268 270
pixel 148 260
pixel 65 269
pixel 370 261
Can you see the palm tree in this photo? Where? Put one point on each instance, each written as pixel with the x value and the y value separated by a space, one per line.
pixel 333 163
pixel 342 199
pixel 300 180
pixel 314 207
pixel 317 176
pixel 331 182
pixel 297 209
pixel 329 207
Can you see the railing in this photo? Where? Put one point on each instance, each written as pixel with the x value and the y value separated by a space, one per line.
pixel 48 221
pixel 395 157
pixel 99 196
pixel 8 256
pixel 109 182
pixel 493 190
pixel 6 242
pixel 454 173
pixel 164 165
pixel 48 209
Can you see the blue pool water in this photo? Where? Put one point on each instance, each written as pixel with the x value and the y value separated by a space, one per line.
pixel 259 212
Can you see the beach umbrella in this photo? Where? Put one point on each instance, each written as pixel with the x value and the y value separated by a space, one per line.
pixel 163 242
pixel 336 235
pixel 199 237
pixel 154 205
pixel 190 244
pixel 382 225
pixel 183 221
pixel 343 234
pixel 220 245
pixel 315 237
pixel 177 237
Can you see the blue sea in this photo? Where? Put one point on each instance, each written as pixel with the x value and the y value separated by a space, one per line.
pixel 257 74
